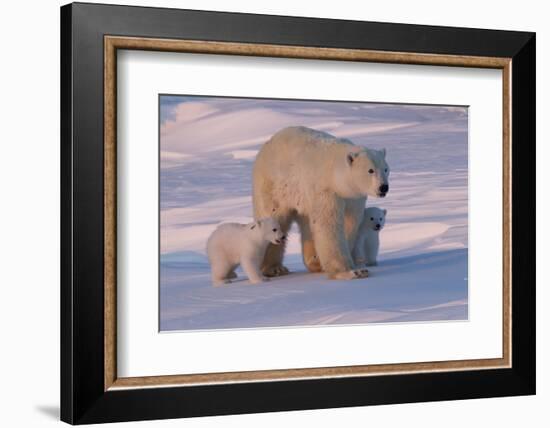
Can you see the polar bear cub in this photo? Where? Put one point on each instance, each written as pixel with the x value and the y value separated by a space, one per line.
pixel 368 239
pixel 234 244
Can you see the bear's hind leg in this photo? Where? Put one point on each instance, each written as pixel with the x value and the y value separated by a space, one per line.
pixel 309 255
pixel 265 205
pixel 272 264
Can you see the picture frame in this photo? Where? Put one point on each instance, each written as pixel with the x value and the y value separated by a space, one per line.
pixel 91 35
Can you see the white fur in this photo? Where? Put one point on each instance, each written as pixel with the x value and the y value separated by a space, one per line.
pixel 233 244
pixel 322 182
pixel 368 238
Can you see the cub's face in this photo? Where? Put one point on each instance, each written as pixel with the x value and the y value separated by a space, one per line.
pixel 370 172
pixel 271 230
pixel 375 218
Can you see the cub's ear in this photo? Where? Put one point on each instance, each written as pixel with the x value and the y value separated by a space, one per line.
pixel 385 211
pixel 351 157
pixel 383 151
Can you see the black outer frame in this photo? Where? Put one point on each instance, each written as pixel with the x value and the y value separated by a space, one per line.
pixel 83 399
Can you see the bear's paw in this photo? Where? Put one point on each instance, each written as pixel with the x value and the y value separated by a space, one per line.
pixel 350 274
pixel 276 270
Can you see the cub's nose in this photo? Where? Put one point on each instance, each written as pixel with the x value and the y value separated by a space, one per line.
pixel 377 226
pixel 384 188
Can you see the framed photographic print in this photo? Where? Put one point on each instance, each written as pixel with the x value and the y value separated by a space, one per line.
pixel 265 213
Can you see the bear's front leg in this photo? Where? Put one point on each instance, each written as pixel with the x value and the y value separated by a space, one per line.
pixel 353 216
pixel 358 254
pixel 330 240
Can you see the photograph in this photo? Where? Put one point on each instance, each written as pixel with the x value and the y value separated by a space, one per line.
pixel 306 213
pixel 281 210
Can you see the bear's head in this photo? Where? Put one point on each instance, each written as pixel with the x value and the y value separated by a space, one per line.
pixel 374 218
pixel 369 171
pixel 270 230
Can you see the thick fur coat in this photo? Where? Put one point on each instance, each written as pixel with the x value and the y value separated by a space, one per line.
pixel 367 244
pixel 321 182
pixel 234 244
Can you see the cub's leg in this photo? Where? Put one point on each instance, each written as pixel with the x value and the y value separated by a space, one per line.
pixel 251 267
pixel 220 271
pixel 370 258
pixel 371 248
pixel 309 255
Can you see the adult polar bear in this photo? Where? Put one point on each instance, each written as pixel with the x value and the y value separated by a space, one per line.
pixel 322 182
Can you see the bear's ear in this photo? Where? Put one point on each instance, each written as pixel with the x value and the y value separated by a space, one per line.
pixel 385 211
pixel 383 151
pixel 351 157
pixel 256 223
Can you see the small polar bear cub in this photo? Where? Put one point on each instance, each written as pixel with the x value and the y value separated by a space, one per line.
pixel 368 239
pixel 234 244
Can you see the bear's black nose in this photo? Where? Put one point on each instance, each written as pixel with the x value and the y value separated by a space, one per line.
pixel 377 227
pixel 384 188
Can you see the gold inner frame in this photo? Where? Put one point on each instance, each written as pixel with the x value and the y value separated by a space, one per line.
pixel 113 43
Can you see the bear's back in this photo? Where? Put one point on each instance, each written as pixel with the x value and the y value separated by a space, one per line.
pixel 300 147
pixel 306 138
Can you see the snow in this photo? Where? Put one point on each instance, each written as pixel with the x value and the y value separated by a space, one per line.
pixel 208 146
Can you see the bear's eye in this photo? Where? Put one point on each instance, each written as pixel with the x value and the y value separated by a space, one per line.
pixel 274 230
pixel 372 219
pixel 371 171
pixel 386 170
pixel 380 218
